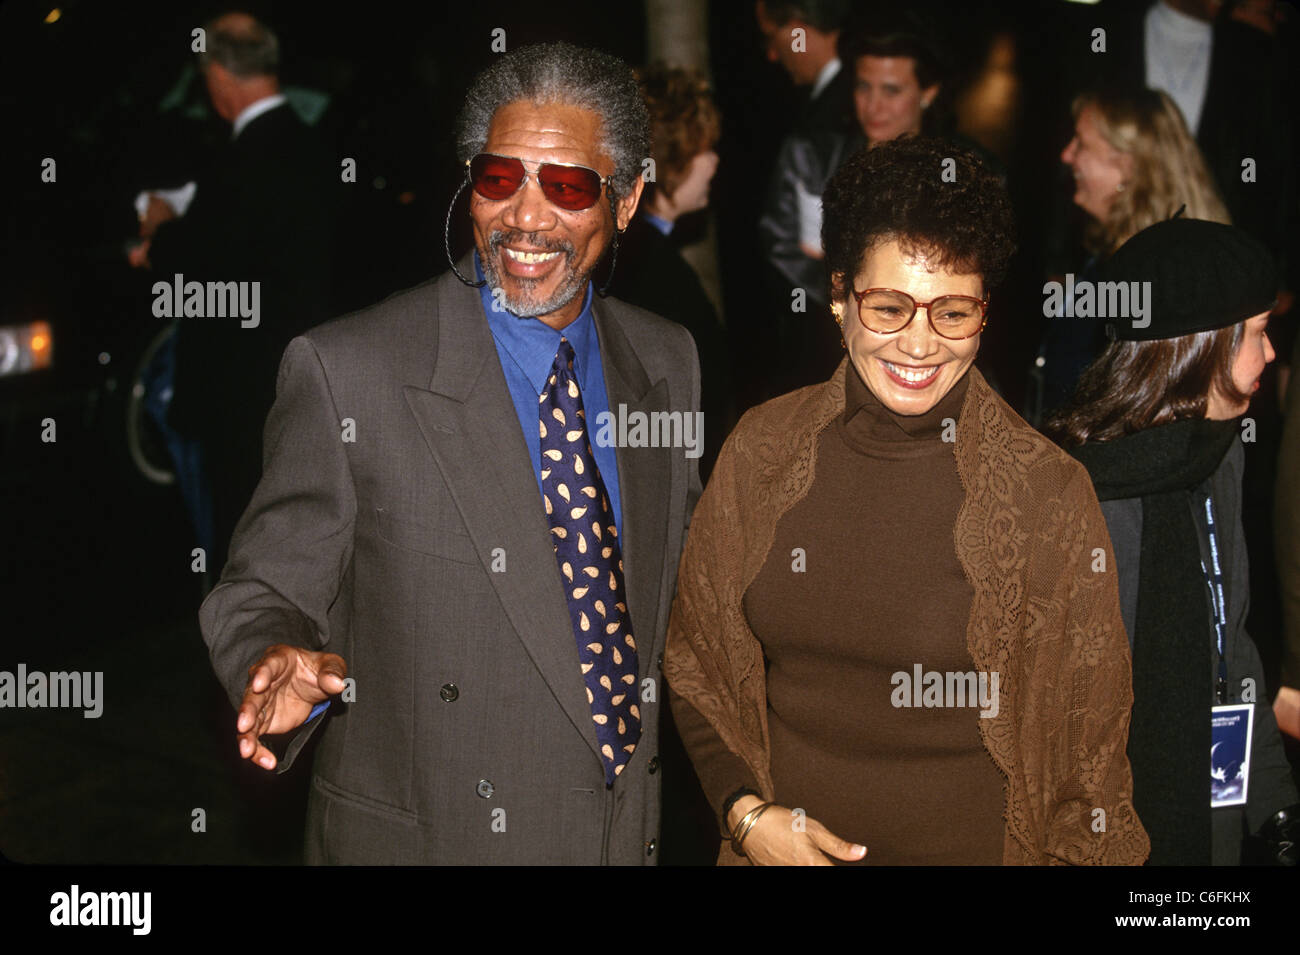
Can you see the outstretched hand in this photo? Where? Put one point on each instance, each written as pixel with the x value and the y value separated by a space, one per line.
pixel 282 688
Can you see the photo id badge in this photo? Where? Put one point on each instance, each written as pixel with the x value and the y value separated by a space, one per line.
pixel 1230 729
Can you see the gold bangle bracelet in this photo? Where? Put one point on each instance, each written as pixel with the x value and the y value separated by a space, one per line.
pixel 752 823
pixel 747 823
pixel 735 832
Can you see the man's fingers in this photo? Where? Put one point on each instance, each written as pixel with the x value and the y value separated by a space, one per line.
pixel 331 674
pixel 260 754
pixel 264 672
pixel 252 723
pixel 260 677
pixel 832 844
pixel 330 683
pixel 255 714
pixel 251 710
pixel 259 698
pixel 279 686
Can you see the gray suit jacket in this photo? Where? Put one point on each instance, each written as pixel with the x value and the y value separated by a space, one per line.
pixel 420 552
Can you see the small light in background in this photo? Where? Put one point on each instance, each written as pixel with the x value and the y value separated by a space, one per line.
pixel 40 345
pixel 25 348
pixel 53 15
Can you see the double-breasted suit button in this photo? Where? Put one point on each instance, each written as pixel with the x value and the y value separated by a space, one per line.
pixel 449 692
pixel 485 788
pixel 653 765
pixel 650 847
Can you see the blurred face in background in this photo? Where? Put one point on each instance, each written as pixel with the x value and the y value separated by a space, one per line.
pixel 1261 14
pixel 218 82
pixel 888 98
pixel 780 47
pixel 1253 353
pixel 692 193
pixel 1099 168
pixel 910 370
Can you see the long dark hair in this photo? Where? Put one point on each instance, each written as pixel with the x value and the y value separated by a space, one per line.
pixel 1137 385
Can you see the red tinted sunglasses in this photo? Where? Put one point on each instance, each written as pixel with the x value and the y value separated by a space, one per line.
pixel 568 186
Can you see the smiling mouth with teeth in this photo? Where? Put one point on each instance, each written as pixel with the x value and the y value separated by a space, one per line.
pixel 529 258
pixel 911 375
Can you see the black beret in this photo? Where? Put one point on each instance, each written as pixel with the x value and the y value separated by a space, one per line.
pixel 1203 275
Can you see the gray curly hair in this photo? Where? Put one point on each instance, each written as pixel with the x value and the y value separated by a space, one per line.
pixel 575 76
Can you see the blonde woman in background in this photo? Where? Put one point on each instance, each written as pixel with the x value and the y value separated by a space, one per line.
pixel 1134 164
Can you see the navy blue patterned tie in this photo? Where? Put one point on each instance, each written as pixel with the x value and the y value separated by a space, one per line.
pixel 591 565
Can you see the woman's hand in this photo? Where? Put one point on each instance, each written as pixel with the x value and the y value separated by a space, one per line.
pixel 774 839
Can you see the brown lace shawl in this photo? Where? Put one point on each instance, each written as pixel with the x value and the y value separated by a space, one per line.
pixel 1028 536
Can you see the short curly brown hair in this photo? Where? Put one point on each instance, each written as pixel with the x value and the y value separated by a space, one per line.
pixel 896 191
pixel 684 122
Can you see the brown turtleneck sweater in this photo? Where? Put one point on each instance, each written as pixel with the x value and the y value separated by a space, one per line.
pixel 881 591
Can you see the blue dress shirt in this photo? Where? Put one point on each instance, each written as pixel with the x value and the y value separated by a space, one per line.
pixel 527 347
pixel 663 225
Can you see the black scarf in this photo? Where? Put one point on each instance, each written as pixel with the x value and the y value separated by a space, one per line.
pixel 1169 736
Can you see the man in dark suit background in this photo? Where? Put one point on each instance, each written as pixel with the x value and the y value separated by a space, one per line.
pixel 809 56
pixel 261 213
pixel 447 520
pixel 802 36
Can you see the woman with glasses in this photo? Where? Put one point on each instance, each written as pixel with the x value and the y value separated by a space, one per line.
pixel 1155 422
pixel 890 643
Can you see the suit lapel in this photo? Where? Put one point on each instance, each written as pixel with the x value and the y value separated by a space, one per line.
pixel 469 424
pixel 644 480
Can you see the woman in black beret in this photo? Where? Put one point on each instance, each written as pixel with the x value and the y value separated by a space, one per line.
pixel 1154 420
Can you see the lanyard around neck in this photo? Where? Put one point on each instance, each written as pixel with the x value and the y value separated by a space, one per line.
pixel 1214 580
